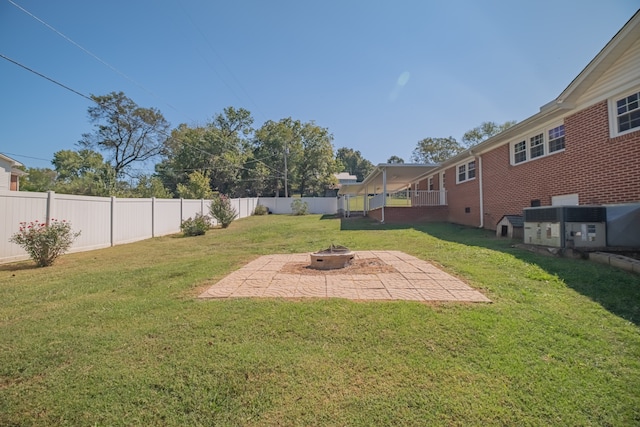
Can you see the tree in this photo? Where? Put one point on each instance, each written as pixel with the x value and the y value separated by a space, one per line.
pixel 436 150
pixel 485 131
pixel 127 132
pixel 395 160
pixel 38 179
pixel 198 187
pixel 84 172
pixel 220 147
pixel 150 186
pixel 353 162
pixel 317 166
pixel 278 147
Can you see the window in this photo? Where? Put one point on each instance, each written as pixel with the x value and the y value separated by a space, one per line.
pixel 628 113
pixel 466 171
pixel 431 183
pixel 462 173
pixel 471 173
pixel 537 146
pixel 556 139
pixel 520 151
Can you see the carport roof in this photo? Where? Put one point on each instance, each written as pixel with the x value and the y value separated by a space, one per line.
pixel 399 177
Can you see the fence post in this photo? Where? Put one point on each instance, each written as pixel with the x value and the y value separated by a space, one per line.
pixel 51 195
pixel 153 217
pixel 113 220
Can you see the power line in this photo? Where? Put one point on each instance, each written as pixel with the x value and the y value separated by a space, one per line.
pixel 47 78
pixel 94 56
pixel 93 100
pixel 210 45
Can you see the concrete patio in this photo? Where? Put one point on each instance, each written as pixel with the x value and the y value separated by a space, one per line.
pixel 404 278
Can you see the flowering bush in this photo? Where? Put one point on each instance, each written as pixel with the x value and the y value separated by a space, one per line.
pixel 196 226
pixel 44 243
pixel 222 210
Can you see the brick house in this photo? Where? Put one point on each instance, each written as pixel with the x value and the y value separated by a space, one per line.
pixel 10 174
pixel 581 148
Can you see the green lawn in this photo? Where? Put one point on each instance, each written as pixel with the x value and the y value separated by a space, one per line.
pixel 117 337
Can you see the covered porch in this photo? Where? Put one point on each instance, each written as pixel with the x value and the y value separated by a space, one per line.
pixel 390 194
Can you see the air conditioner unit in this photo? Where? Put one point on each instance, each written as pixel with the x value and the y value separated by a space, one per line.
pixel 566 226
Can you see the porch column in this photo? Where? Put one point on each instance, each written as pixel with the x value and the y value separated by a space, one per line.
pixel 384 191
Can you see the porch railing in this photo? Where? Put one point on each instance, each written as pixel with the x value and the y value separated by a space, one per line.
pixel 410 198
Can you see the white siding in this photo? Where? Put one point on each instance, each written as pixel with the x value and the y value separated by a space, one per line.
pixel 621 76
pixel 5 180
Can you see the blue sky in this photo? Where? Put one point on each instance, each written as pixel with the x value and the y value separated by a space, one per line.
pixel 380 75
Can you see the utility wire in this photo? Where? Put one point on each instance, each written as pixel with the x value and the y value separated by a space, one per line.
pixel 206 39
pixel 94 56
pixel 167 135
pixel 125 75
pixel 45 77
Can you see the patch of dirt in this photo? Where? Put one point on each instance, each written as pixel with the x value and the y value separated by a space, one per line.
pixel 357 266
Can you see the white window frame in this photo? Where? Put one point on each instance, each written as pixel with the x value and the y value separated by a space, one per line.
pixel 526 142
pixel 613 112
pixel 430 184
pixel 466 166
pixel 563 137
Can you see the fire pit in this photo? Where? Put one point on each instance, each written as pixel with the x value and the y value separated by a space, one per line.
pixel 331 258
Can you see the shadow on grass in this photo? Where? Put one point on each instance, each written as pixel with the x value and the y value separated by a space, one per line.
pixel 616 290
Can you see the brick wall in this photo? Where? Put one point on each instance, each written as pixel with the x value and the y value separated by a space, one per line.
pixel 462 199
pixel 394 214
pixel 599 169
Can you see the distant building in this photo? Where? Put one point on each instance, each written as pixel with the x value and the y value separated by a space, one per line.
pixel 10 174
pixel 346 178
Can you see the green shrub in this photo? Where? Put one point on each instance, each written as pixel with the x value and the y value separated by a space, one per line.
pixel 45 242
pixel 261 210
pixel 222 210
pixel 298 207
pixel 196 226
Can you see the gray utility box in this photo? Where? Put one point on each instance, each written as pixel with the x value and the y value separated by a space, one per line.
pixel 566 226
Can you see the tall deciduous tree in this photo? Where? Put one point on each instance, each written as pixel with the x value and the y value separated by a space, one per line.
pixel 198 187
pixel 353 162
pixel 278 147
pixel 299 156
pixel 220 147
pixel 126 132
pixel 38 179
pixel 84 172
pixel 395 160
pixel 485 131
pixel 317 166
pixel 436 150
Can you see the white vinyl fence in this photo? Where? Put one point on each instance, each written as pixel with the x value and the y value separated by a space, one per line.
pixel 109 221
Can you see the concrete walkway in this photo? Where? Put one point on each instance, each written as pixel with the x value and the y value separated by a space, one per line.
pixel 414 280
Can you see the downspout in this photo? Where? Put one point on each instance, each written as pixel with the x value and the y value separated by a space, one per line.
pixel 481 192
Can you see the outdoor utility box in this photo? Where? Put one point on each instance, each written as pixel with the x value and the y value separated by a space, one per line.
pixel 566 226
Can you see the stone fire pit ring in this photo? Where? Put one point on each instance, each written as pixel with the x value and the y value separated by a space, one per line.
pixel 332 258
